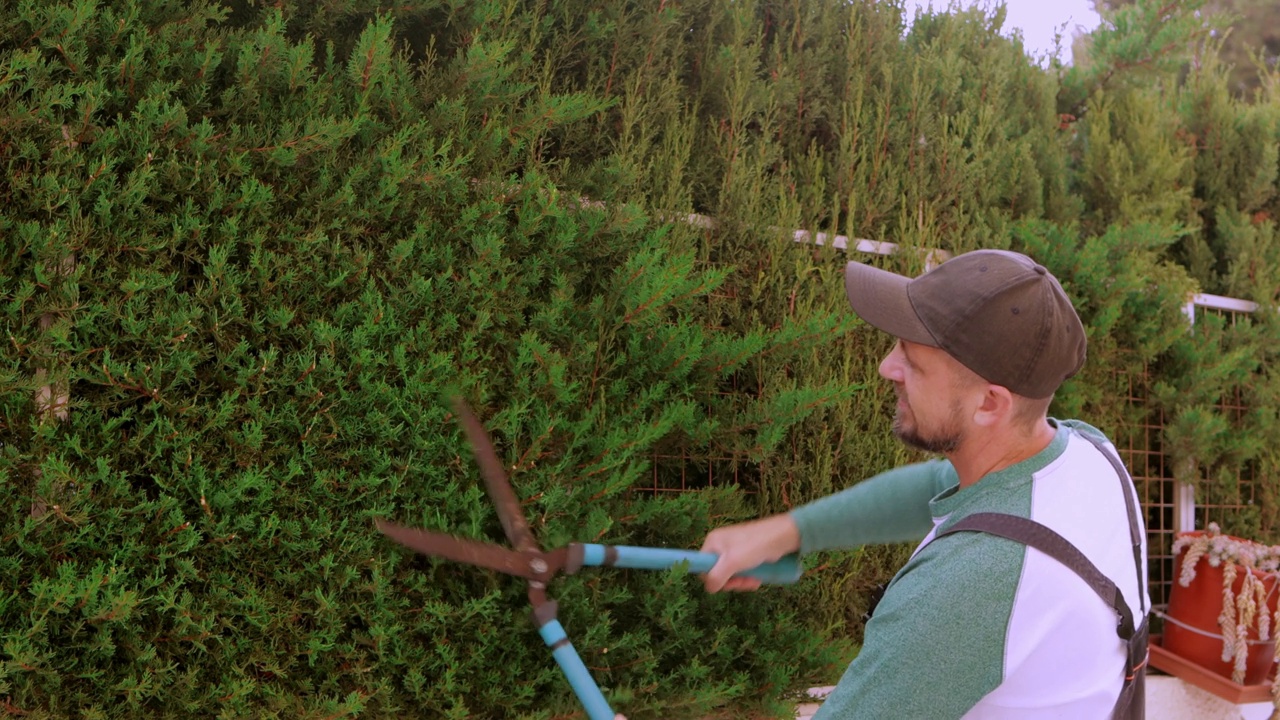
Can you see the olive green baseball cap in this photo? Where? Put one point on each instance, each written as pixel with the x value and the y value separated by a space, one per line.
pixel 999 313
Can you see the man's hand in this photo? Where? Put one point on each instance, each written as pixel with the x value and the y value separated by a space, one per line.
pixel 746 545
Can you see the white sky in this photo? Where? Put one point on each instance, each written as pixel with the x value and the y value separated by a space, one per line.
pixel 1038 19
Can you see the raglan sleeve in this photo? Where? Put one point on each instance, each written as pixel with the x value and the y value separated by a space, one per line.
pixel 890 507
pixel 936 644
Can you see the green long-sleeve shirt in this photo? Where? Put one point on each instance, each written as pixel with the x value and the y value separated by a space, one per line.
pixel 974 625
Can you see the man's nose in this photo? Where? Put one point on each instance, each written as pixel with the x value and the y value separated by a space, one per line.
pixel 891 365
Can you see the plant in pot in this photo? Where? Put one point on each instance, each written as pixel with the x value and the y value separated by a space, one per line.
pixel 1222 611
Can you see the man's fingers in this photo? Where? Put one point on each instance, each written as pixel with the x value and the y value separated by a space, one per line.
pixel 741 584
pixel 733 584
pixel 721 577
pixel 717 576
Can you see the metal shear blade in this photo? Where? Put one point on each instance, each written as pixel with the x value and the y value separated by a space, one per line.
pixel 495 481
pixel 458 549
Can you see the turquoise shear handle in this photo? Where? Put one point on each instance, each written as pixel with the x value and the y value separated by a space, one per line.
pixel 781 572
pixel 575 671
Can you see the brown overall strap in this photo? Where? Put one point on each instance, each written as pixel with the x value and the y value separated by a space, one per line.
pixel 1032 533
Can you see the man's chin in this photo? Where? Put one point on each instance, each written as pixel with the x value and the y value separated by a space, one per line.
pixel 905 434
pixel 912 439
pixel 908 438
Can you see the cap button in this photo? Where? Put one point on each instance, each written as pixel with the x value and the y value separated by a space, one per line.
pixel 1040 269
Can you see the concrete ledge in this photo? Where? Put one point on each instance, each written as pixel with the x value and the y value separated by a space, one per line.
pixel 1168 698
pixel 805 711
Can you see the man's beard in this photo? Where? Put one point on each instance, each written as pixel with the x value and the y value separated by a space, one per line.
pixel 942 442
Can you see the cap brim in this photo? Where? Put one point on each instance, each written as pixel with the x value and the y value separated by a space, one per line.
pixel 880 298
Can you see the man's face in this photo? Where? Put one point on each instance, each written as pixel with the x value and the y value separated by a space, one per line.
pixel 929 384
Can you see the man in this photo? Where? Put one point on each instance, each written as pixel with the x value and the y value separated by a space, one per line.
pixel 976 625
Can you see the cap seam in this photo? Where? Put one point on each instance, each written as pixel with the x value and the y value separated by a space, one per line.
pixel 978 302
pixel 1042 339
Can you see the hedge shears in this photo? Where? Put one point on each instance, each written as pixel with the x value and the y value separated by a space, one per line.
pixel 530 562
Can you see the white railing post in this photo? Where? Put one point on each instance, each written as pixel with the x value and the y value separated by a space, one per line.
pixel 1184 497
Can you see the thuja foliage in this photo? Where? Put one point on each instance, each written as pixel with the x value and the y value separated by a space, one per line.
pixel 250 252
pixel 253 267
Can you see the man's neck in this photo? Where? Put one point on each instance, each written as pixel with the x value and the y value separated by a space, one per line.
pixel 982 454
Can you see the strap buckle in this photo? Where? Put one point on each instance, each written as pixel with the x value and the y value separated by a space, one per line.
pixel 1133 672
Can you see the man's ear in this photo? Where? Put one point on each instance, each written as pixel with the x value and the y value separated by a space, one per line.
pixel 996 406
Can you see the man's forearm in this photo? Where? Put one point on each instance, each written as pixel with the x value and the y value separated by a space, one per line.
pixel 890 507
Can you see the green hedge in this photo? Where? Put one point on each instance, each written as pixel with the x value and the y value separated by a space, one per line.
pixel 250 252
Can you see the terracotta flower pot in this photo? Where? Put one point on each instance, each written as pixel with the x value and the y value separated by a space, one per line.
pixel 1193 632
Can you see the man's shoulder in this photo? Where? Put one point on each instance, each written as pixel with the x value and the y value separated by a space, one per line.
pixel 1083 428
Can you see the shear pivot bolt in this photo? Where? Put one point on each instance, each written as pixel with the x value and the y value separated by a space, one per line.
pixel 538 565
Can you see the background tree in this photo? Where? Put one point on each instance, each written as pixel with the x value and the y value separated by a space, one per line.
pixel 1250 39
